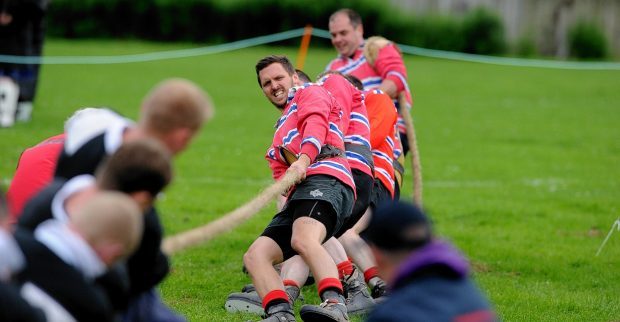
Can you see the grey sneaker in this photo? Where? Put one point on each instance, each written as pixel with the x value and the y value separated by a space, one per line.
pixel 329 311
pixel 248 300
pixel 379 291
pixel 358 298
pixel 282 312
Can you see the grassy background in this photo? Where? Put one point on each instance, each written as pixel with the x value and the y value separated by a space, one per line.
pixel 520 166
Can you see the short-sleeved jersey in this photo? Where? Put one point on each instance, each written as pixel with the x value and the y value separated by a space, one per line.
pixel 388 65
pixel 383 139
pixel 354 121
pixel 35 170
pixel 310 120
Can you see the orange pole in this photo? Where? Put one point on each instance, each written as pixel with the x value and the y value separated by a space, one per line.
pixel 303 48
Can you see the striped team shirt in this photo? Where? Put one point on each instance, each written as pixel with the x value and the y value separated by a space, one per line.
pixel 389 65
pixel 310 120
pixel 355 121
pixel 383 135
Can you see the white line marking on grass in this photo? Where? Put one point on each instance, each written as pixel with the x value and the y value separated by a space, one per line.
pixel 553 184
pixel 462 184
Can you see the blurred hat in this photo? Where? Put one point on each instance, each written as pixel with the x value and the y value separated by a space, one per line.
pixel 398 226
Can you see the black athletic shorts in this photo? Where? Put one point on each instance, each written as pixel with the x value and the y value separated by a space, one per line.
pixel 380 194
pixel 363 188
pixel 320 197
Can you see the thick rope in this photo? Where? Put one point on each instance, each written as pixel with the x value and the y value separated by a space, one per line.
pixel 413 147
pixel 202 234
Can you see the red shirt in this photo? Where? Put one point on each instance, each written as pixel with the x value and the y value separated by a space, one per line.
pixel 311 119
pixel 383 135
pixel 35 169
pixel 354 119
pixel 388 65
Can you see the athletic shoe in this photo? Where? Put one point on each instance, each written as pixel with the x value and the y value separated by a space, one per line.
pixel 358 299
pixel 329 311
pixel 248 300
pixel 379 290
pixel 9 93
pixel 282 312
pixel 247 288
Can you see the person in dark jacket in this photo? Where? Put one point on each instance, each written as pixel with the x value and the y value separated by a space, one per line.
pixel 140 168
pixel 63 258
pixel 22 32
pixel 13 308
pixel 429 279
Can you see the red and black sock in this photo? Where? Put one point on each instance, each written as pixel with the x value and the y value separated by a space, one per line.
pixel 274 297
pixel 345 269
pixel 371 273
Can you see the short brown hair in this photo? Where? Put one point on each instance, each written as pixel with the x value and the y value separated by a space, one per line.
pixel 352 79
pixel 175 103
pixel 354 17
pixel 138 165
pixel 272 59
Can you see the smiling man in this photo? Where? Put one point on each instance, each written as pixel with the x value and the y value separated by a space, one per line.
pixel 309 141
pixel 388 73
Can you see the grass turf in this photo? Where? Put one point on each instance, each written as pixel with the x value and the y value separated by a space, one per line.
pixel 520 165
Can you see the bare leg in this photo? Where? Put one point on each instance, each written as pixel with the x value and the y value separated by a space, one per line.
pixel 295 269
pixel 308 234
pixel 336 250
pixel 259 260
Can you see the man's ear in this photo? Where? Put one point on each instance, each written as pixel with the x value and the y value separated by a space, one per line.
pixel 181 138
pixel 295 79
pixel 143 198
pixel 109 252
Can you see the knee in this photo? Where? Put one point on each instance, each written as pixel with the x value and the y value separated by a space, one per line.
pixel 252 259
pixel 300 245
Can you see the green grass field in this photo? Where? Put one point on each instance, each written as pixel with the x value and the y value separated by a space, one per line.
pixel 521 170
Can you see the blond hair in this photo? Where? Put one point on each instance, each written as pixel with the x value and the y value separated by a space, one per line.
pixel 110 216
pixel 175 103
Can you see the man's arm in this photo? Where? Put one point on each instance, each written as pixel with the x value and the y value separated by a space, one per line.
pixel 390 66
pixel 389 87
pixel 313 108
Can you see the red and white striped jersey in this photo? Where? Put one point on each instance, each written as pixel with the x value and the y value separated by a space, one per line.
pixel 383 135
pixel 388 65
pixel 354 120
pixel 310 120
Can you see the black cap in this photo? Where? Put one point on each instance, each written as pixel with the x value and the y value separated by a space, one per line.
pixel 398 226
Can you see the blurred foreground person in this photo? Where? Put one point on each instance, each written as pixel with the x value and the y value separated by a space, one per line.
pixel 63 259
pixel 429 278
pixel 173 113
pixel 36 165
pixel 13 308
